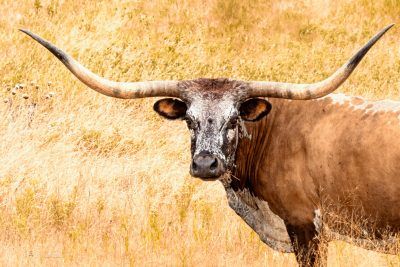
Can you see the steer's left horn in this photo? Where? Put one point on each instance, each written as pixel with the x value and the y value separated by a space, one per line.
pixel 313 90
pixel 107 87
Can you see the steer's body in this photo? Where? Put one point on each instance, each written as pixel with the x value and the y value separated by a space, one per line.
pixel 337 155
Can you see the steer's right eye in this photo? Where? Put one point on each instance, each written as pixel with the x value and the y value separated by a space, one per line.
pixel 192 124
pixel 231 124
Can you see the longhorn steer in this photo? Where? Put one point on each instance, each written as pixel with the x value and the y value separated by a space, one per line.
pixel 283 173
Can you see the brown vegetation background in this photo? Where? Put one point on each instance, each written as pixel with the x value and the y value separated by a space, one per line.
pixel 86 179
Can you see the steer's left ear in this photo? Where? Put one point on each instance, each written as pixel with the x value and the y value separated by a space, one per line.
pixel 170 108
pixel 254 109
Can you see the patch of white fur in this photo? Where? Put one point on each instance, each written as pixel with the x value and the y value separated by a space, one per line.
pixel 386 105
pixel 192 134
pixel 231 134
pixel 337 98
pixel 257 214
pixel 317 220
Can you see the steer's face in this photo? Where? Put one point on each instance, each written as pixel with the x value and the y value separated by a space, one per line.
pixel 213 120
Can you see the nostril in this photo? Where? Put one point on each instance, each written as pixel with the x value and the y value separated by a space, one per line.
pixel 214 164
pixel 194 166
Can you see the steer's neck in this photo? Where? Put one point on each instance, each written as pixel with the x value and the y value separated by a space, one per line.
pixel 251 152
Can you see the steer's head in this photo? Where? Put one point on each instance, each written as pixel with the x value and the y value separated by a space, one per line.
pixel 212 108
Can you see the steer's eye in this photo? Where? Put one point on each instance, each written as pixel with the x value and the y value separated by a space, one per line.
pixel 192 124
pixel 231 124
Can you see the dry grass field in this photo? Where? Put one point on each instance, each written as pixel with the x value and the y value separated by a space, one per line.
pixel 90 180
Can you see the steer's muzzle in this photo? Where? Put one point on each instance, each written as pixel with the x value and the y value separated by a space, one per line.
pixel 206 166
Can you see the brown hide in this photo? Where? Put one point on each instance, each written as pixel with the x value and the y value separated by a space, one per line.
pixel 337 154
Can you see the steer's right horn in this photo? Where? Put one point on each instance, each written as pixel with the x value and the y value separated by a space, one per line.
pixel 125 90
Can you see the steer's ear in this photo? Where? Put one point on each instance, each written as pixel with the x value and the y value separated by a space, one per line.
pixel 170 108
pixel 254 109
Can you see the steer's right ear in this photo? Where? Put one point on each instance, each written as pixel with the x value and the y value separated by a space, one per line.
pixel 170 108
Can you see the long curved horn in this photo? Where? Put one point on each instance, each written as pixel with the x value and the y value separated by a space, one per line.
pixel 313 90
pixel 125 90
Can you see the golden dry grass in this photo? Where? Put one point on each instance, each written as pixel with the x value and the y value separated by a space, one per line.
pixel 86 179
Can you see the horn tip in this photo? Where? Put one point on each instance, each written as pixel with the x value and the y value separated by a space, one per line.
pixel 24 30
pixel 381 33
pixel 389 26
pixel 28 32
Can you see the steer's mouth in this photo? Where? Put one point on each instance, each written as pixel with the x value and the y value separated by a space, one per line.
pixel 212 176
pixel 211 179
pixel 207 167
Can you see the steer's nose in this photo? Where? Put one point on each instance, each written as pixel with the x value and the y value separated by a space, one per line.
pixel 206 165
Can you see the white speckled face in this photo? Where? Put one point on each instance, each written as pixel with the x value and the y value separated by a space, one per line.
pixel 213 126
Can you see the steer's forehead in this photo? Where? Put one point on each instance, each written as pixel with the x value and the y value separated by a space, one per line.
pixel 207 106
pixel 212 98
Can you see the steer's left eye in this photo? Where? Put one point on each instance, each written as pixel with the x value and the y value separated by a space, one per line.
pixel 231 123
